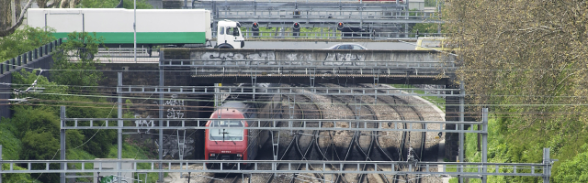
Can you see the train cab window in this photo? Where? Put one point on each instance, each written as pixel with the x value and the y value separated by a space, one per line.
pixel 222 31
pixel 226 134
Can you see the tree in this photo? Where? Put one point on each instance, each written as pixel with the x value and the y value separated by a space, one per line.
pixel 527 61
pixel 23 40
pixel 574 170
pixel 7 13
pixel 128 4
pixel 82 75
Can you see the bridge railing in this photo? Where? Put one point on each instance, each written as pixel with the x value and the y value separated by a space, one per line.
pixel 25 58
pixel 348 15
pixel 248 34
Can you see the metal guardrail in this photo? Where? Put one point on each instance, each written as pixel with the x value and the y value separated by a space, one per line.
pixel 270 124
pixel 123 55
pixel 324 91
pixel 249 34
pixel 25 58
pixel 366 16
pixel 269 166
pixel 311 68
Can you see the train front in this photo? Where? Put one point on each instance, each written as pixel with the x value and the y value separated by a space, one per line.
pixel 228 141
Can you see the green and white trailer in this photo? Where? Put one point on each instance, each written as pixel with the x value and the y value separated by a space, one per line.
pixel 115 25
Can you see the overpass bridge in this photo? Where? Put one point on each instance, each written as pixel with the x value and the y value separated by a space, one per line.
pixel 310 66
pixel 306 66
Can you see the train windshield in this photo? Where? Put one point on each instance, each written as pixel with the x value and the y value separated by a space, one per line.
pixel 226 134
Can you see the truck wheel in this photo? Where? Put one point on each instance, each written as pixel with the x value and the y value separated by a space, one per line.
pixel 224 45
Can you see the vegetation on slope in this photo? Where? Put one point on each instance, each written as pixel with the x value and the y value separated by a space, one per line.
pixel 526 61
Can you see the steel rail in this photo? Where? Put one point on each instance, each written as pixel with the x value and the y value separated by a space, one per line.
pixel 504 169
pixel 422 133
pixel 403 138
pixel 311 144
pixel 351 142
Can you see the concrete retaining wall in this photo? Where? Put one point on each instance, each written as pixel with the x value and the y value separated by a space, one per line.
pixel 44 62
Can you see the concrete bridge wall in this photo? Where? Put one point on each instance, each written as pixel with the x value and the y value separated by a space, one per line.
pixel 304 55
pixel 242 61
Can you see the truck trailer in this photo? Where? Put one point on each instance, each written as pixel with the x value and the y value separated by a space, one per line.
pixel 177 27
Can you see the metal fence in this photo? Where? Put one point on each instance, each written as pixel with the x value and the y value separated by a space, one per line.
pixel 249 34
pixel 23 59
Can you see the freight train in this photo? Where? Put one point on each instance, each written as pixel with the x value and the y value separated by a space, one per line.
pixel 153 26
pixel 230 141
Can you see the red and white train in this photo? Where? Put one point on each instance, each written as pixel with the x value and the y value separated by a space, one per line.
pixel 231 143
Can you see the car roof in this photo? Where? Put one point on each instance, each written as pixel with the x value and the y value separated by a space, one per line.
pixel 355 44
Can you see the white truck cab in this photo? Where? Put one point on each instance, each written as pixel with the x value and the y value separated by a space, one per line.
pixel 229 35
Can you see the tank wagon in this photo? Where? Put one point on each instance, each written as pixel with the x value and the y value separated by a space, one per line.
pixel 154 26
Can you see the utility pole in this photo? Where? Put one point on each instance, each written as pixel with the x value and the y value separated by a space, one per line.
pixel 62 142
pixel 120 124
pixel 461 127
pixel 135 29
pixel 160 151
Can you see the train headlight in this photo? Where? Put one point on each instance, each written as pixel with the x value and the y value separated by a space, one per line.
pixel 239 155
pixel 212 155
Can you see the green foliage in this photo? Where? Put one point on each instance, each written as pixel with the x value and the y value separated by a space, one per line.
pixel 81 75
pixel 16 177
pixel 23 40
pixel 128 4
pixel 11 150
pixel 135 152
pixel 431 3
pixel 573 170
pixel 101 140
pixel 425 28
pixel 11 145
pixel 530 66
pixel 438 101
pixel 24 79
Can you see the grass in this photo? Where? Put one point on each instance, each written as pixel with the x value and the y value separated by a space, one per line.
pixel 437 101
pixel 135 152
pixel 473 155
pixel 129 151
pixel 305 33
pixel 11 148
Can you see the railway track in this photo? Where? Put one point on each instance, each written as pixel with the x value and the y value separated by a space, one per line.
pixel 302 143
pixel 226 178
pixel 407 112
pixel 359 146
pixel 364 142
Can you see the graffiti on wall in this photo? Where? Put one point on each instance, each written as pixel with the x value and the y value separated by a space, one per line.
pixel 143 122
pixel 342 59
pixel 170 146
pixel 175 107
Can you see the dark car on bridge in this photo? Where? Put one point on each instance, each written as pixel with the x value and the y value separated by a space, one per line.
pixel 347 46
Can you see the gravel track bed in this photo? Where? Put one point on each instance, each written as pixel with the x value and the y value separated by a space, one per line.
pixel 344 109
